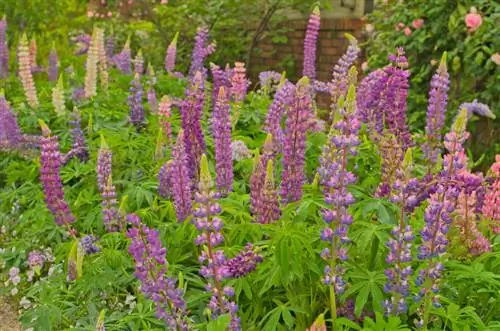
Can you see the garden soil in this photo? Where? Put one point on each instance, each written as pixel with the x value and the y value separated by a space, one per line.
pixel 8 317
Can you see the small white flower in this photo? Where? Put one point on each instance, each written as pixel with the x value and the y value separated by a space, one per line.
pixel 25 303
pixel 14 291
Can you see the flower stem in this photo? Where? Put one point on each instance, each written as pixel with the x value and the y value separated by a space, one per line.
pixel 333 306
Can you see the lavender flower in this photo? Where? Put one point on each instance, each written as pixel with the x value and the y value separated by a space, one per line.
pixel 369 91
pixel 257 179
pixel 242 264
pixel 221 128
pixel 88 246
pixel 438 97
pixel 335 178
pixel 151 269
pixel 200 52
pixel 135 102
pixel 171 54
pixel 123 60
pixel 214 261
pixel 220 79
pixel 282 100
pixel 152 100
pixel 110 46
pixel 191 111
pixel 79 146
pixel 10 133
pixel 181 183
pixel 165 180
pixel 309 67
pixel 50 160
pixel 53 70
pixel 4 49
pixel 164 115
pixel 491 206
pixel 297 124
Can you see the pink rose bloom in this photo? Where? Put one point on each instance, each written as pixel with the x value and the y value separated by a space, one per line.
pixel 496 59
pixel 418 23
pixel 407 31
pixel 473 20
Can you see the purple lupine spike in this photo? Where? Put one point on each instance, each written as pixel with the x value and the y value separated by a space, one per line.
pixel 135 102
pixel 310 41
pixel 491 205
pixel 79 146
pixel 267 79
pixel 53 70
pixel 83 40
pixel 110 46
pixel 257 179
pixel 477 108
pixel 152 100
pixel 242 264
pixel 391 155
pixel 239 82
pixel 88 246
pixel 123 59
pixel 436 109
pixel 50 161
pixel 191 111
pixel 214 261
pixel 139 64
pixel 181 182
pixel 282 100
pixel 4 49
pixel 335 179
pixel 10 133
pixel 200 51
pixel 165 180
pixel 297 125
pixel 270 199
pixel 340 80
pixel 369 91
pixel 221 128
pixel 104 159
pixel 171 54
pixel 220 79
pixel 151 270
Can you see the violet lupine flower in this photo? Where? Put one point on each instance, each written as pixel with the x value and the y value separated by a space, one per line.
pixel 123 59
pixel 200 51
pixel 171 54
pixel 36 259
pixel 368 94
pixel 278 108
pixel 79 146
pixel 53 70
pixel 4 49
pixel 83 40
pixel 220 79
pixel 164 115
pixel 104 159
pixel 391 158
pixel 110 46
pixel 78 94
pixel 213 260
pixel 139 64
pixel 257 179
pixel 436 109
pixel 299 115
pixel 191 111
pixel 10 133
pixel 221 128
pixel 477 108
pixel 152 100
pixel 165 180
pixel 181 182
pixel 491 206
pixel 151 270
pixel 404 191
pixel 50 161
pixel 242 264
pixel 335 178
pixel 267 79
pixel 340 81
pixel 270 199
pixel 310 41
pixel 88 246
pixel 135 102
pixel 239 82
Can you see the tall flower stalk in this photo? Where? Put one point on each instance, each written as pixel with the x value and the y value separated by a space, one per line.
pixel 491 207
pixel 123 59
pixel 53 70
pixel 10 133
pixel 25 72
pixel 151 270
pixel 239 86
pixel 181 182
pixel 221 128
pixel 58 97
pixel 102 59
pixel 139 64
pixel 50 162
pixel 78 146
pixel 200 51
pixel 310 41
pixel 171 54
pixel 335 179
pixel 298 119
pixel 4 49
pixel 164 113
pixel 91 67
pixel 436 110
pixel 135 102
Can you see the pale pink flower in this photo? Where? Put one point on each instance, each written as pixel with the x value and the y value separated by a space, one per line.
pixel 369 28
pixel 364 66
pixel 407 31
pixel 399 26
pixel 418 23
pixel 496 58
pixel 90 13
pixel 473 20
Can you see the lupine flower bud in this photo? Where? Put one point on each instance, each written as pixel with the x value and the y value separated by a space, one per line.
pixel 242 264
pixel 135 102
pixel 181 182
pixel 297 124
pixel 4 49
pixel 53 70
pixel 477 108
pixel 221 128
pixel 50 160
pixel 139 64
pixel 171 54
pixel 257 179
pixel 123 60
pixel 91 67
pixel 25 72
pixel 309 67
pixel 200 51
pixel 270 199
pixel 438 97
pixel 491 207
pixel 151 270
pixel 58 97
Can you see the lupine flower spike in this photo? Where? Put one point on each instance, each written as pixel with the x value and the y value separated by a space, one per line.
pixel 335 179
pixel 139 64
pixel 200 51
pixel 135 102
pixel 491 207
pixel 91 67
pixel 53 70
pixel 102 59
pixel 58 97
pixel 171 54
pixel 214 261
pixel 10 133
pixel 270 198
pixel 4 49
pixel 151 270
pixel 79 146
pixel 181 182
pixel 310 41
pixel 221 128
pixel 123 59
pixel 25 72
pixel 164 115
pixel 50 161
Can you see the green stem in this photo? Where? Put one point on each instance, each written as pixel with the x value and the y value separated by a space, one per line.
pixel 426 311
pixel 333 306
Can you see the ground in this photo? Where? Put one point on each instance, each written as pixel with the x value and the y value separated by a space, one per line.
pixel 8 317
